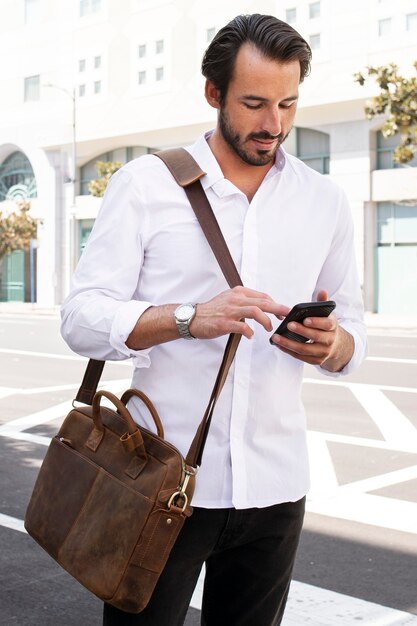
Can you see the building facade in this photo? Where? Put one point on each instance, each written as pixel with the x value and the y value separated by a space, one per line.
pixel 90 80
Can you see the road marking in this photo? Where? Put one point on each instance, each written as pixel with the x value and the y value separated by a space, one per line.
pixel 307 604
pixel 315 606
pixel 393 424
pixel 14 429
pixel 341 383
pixel 366 442
pixel 12 522
pixel 52 355
pixel 387 359
pixel 322 474
pixel 368 509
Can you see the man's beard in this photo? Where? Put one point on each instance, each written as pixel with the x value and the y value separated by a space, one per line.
pixel 234 141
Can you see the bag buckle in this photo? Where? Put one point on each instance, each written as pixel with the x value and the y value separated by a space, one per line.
pixel 179 495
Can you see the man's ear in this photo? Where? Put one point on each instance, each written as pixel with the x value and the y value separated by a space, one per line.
pixel 212 94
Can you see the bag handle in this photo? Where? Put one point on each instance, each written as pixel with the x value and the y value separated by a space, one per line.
pixel 187 174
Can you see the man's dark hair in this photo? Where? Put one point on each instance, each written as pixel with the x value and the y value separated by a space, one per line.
pixel 275 39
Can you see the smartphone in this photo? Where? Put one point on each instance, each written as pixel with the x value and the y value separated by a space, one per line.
pixel 299 312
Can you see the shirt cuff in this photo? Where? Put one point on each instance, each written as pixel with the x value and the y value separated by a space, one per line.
pixel 123 323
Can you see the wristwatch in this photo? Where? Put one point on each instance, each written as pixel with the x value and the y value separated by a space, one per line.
pixel 183 315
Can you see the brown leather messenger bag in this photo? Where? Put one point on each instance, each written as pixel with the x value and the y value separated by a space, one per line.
pixel 111 497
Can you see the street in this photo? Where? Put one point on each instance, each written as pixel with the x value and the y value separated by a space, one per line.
pixel 357 561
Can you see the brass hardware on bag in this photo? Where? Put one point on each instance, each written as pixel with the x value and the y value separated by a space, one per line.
pixel 177 495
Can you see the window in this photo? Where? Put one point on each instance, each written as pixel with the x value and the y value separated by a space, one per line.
pixel 159 73
pixel 32 88
pixel 159 46
pixel 291 15
pixel 142 51
pixel 88 171
pixel 142 78
pixel 81 65
pixel 385 151
pixel 97 62
pixel 32 11
pixel 17 179
pixel 97 86
pixel 315 41
pixel 313 147
pixel 89 6
pixel 84 5
pixel 411 21
pixel 384 27
pixel 396 224
pixel 314 10
pixel 81 90
pixel 210 32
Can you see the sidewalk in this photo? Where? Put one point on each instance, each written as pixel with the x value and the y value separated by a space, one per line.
pixel 377 323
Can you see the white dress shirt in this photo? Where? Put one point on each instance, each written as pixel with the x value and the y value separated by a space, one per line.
pixel 294 238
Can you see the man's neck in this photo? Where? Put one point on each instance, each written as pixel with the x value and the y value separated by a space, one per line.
pixel 244 176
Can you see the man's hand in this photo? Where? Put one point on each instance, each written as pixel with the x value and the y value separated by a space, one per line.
pixel 330 346
pixel 224 313
pixel 221 315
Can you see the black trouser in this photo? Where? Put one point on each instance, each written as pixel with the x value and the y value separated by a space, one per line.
pixel 249 556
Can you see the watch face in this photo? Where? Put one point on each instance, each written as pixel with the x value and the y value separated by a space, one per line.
pixel 184 312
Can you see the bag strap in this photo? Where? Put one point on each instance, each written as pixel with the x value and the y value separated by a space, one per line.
pixel 187 174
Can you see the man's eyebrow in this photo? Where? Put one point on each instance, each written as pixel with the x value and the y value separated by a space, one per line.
pixel 261 99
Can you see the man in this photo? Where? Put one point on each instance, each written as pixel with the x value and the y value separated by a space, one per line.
pixel 289 231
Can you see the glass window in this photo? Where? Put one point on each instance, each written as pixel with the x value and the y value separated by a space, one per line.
pixel 313 147
pixel 384 27
pixel 84 7
pixel 142 51
pixel 81 90
pixel 81 65
pixel 142 78
pixel 314 9
pixel 159 73
pixel 210 32
pixel 89 6
pixel 97 62
pixel 291 15
pixel 315 41
pixel 32 11
pixel 385 147
pixel 396 223
pixel 159 46
pixel 405 224
pixel 411 21
pixel 97 86
pixel 17 179
pixel 32 88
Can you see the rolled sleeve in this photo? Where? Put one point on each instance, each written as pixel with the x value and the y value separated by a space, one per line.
pixel 124 322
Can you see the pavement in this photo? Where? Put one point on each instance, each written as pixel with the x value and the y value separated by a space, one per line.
pixel 375 322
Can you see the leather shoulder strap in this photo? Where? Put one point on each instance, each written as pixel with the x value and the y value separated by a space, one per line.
pixel 187 174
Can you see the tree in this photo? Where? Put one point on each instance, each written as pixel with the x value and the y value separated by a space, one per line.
pixel 16 229
pixel 105 169
pixel 398 98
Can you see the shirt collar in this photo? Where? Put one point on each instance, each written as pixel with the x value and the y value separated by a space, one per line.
pixel 214 178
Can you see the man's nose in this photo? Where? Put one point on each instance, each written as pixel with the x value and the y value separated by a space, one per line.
pixel 272 121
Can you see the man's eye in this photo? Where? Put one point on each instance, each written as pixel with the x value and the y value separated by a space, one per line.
pixel 252 106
